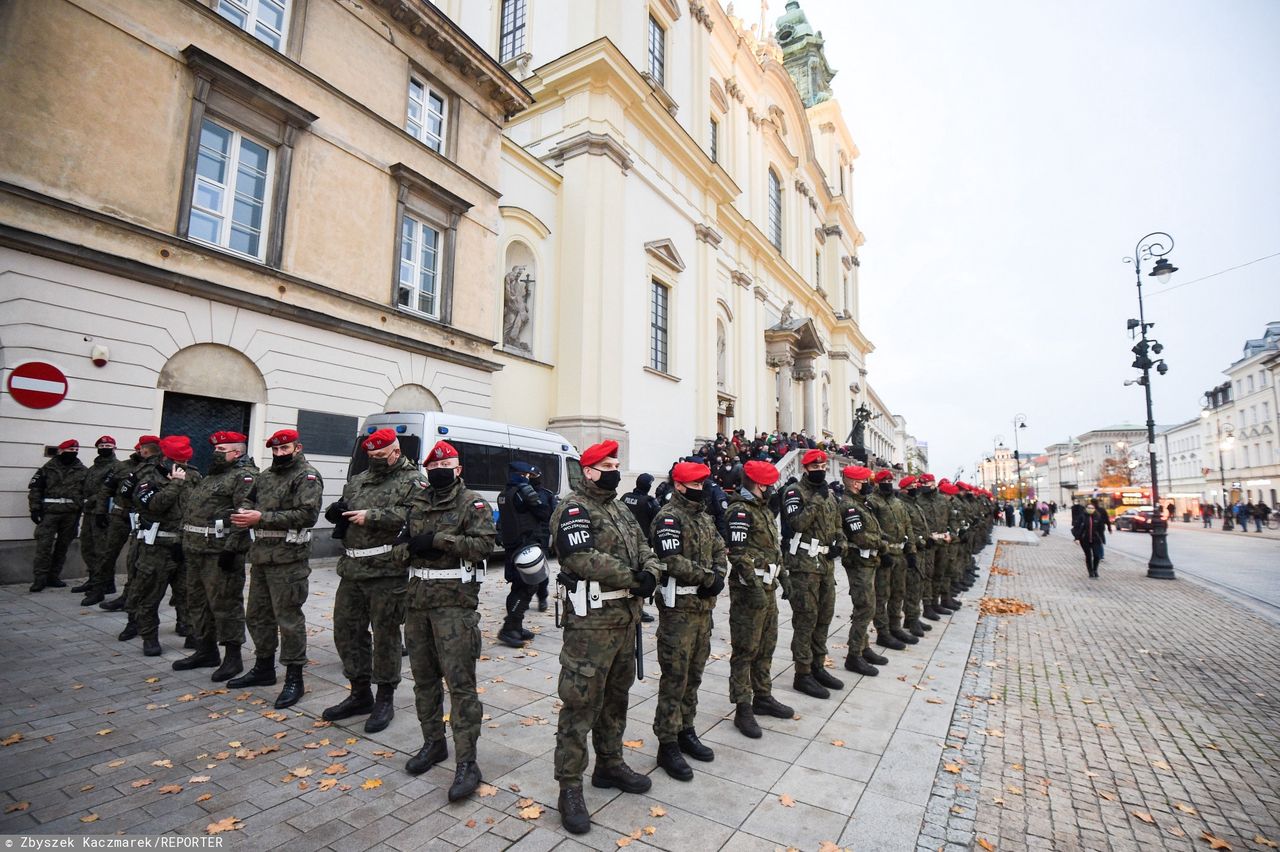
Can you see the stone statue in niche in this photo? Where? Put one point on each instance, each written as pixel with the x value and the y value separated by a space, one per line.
pixel 720 359
pixel 517 301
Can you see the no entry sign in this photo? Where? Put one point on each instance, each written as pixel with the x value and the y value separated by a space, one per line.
pixel 36 384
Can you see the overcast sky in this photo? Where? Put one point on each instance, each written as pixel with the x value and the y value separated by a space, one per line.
pixel 1012 153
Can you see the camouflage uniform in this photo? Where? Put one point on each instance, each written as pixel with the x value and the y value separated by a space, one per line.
pixel 812 540
pixel 55 494
pixel 442 626
pixel 891 575
pixel 685 538
pixel 954 548
pixel 215 595
pixel 161 501
pixel 93 538
pixel 861 556
pixel 598 542
pixel 754 550
pixel 289 499
pixel 916 577
pixel 371 591
pixel 115 507
pixel 935 512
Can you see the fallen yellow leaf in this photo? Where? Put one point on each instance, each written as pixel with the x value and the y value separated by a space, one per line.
pixel 328 783
pixel 152 680
pixel 484 791
pixel 953 768
pixel 339 752
pixel 89 818
pixel 87 787
pixel 335 769
pixel 1270 844
pixel 229 824
pixel 530 812
pixel 838 743
pixel 113 764
pixel 204 797
pixel 350 741
pixel 371 784
pixel 1144 816
pixel 629 743
pixel 16 807
pixel 786 801
pixel 170 789
pixel 1214 842
pixel 1186 809
pixel 164 764
pixel 198 779
pixel 142 782
pixel 657 811
pixel 623 841
pixel 986 844
pixel 301 772
pixel 105 731
pixel 650 830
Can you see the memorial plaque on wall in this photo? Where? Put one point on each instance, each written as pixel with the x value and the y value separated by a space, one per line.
pixel 327 434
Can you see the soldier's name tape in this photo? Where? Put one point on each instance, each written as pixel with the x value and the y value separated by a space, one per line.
pixel 361 553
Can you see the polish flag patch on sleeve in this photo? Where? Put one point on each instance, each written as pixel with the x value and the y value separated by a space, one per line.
pixel 478 504
pixel 573 510
pixel 670 522
pixel 311 477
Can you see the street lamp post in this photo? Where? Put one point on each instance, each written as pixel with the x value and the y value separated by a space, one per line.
pixel 1224 443
pixel 997 441
pixel 1019 422
pixel 1153 246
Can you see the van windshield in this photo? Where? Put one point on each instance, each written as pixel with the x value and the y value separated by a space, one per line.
pixel 575 474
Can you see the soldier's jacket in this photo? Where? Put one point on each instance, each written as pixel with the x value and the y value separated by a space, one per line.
pixel 810 514
pixel 919 523
pixel 289 499
pixel 597 539
pixel 895 525
pixel 755 542
pixel 385 498
pixel 685 539
pixel 160 499
pixel 955 515
pixel 861 529
pixel 212 500
pixel 57 488
pixel 94 478
pixel 463 525
pixel 935 512
pixel 110 499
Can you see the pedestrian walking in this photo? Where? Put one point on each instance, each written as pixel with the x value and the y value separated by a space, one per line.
pixel 1091 533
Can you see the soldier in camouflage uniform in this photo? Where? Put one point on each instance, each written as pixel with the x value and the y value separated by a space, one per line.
pixel 955 523
pixel 891 575
pixel 861 556
pixel 160 495
pixel 755 558
pixel 917 572
pixel 286 505
pixel 93 530
pixel 606 570
pixel 450 535
pixel 811 542
pixel 116 502
pixel 694 564
pixel 371 593
pixel 935 513
pixel 54 497
pixel 215 550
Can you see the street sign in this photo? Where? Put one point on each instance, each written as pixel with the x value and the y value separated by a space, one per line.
pixel 36 384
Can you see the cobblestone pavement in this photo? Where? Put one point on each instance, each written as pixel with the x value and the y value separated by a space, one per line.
pixel 111 741
pixel 1121 713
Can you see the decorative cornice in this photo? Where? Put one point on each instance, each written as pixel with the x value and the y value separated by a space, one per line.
pixel 820 235
pixel 740 278
pixel 660 92
pixel 804 374
pixel 833 230
pixel 410 179
pixel 670 7
pixel 707 234
pixel 665 252
pixel 779 360
pixel 803 188
pixel 209 67
pixel 734 90
pixel 839 355
pixel 761 293
pixel 700 14
pixel 595 144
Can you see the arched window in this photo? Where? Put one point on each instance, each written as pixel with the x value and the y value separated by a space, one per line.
pixel 775 210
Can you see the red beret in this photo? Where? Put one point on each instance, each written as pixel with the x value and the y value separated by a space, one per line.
pixel 884 475
pixel 227 438
pixel 947 488
pixel 596 453
pixel 282 437
pixel 69 444
pixel 813 457
pixel 105 441
pixel 926 478
pixel 686 472
pixel 380 440
pixel 941 481
pixel 146 439
pixel 177 447
pixel 906 482
pixel 761 472
pixel 856 472
pixel 441 451
pixel 964 486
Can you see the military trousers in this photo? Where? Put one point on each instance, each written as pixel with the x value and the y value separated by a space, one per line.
pixel 273 611
pixel 938 581
pixel 813 606
pixel 684 642
pixel 215 599
pixel 884 573
pixel 753 636
pixel 131 568
pixel 367 615
pixel 926 555
pixel 862 592
pixel 955 563
pixel 913 586
pixel 444 644
pixel 92 541
pixel 102 574
pixel 53 536
pixel 597 667
pixel 156 565
pixel 897 587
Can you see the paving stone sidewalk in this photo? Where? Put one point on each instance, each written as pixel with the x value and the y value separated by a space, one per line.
pixel 1122 713
pixel 96 720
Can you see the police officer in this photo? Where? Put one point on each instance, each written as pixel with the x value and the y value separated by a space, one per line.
pixel 55 495
pixel 606 569
pixel 286 504
pixel 891 576
pixel 160 495
pixel 371 590
pixel 755 558
pixel 93 530
pixel 811 541
pixel 695 563
pixel 215 552
pixel 641 503
pixel 544 529
pixel 860 558
pixel 450 535
pixel 521 514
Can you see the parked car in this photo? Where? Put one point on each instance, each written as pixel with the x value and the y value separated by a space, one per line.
pixel 1137 519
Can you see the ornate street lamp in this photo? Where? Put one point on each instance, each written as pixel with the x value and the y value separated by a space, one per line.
pixel 1019 422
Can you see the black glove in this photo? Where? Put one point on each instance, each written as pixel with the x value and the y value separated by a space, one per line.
pixel 716 587
pixel 568 580
pixel 333 514
pixel 175 551
pixel 101 521
pixel 836 547
pixel 420 544
pixel 340 528
pixel 36 516
pixel 911 561
pixel 647 583
pixel 824 490
pixel 227 560
pixel 784 580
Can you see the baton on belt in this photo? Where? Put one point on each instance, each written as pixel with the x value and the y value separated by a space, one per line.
pixel 639 652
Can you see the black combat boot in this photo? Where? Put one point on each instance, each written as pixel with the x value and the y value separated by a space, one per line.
pixel 622 777
pixel 574 815
pixel 151 646
pixel 888 640
pixel 914 628
pixel 130 630
pixel 384 709
pixel 510 634
pixel 181 628
pixel 952 604
pixel 670 759
pixel 857 665
pixel 206 656
pixel 873 658
pixel 55 583
pixel 466 778
pixel 805 683
pixel 232 664
pixel 646 617
pixel 191 643
pixel 827 680
pixel 428 756
pixel 902 635
pixel 113 605
pixel 745 720
pixel 293 689
pixel 941 608
pixel 263 673
pixel 92 598
pixel 526 633
pixel 767 705
pixel 692 746
pixel 931 613
pixel 111 587
pixel 37 586
pixel 359 702
pixel 81 588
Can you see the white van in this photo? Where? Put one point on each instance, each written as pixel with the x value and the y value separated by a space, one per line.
pixel 485 447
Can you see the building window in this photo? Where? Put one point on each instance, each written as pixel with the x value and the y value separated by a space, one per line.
pixel 713 138
pixel 265 20
pixel 427 115
pixel 659 325
pixel 657 52
pixel 775 210
pixel 1250 384
pixel 419 267
pixel 427 215
pixel 232 191
pixel 511 34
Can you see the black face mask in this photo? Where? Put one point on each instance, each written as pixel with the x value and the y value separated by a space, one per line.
pixel 219 462
pixel 866 489
pixel 165 465
pixel 379 467
pixel 441 477
pixel 281 462
pixel 609 480
pixel 926 491
pixel 106 453
pixel 67 458
pixel 695 494
pixel 817 477
pixel 886 489
pixel 535 481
